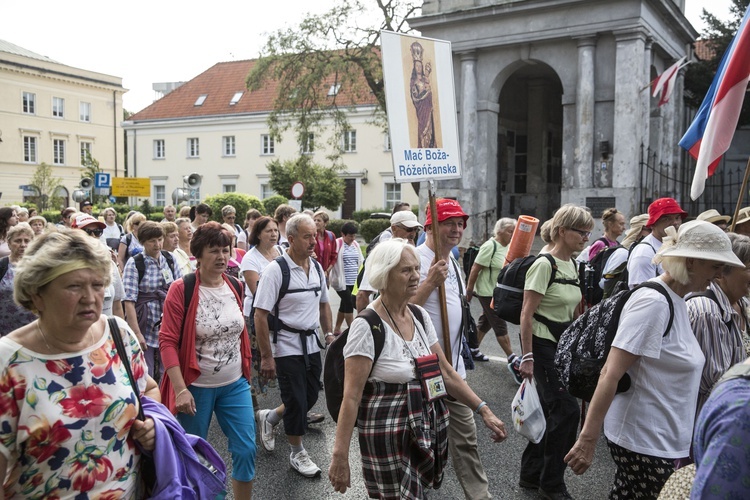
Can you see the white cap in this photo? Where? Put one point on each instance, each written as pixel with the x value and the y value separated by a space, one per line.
pixel 405 218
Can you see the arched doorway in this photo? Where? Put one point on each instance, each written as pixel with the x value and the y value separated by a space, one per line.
pixel 529 142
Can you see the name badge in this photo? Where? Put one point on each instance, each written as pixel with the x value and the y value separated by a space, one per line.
pixel 430 376
pixel 167 275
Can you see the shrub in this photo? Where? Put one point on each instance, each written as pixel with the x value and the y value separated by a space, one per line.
pixel 272 202
pixel 334 225
pixel 155 216
pixel 363 215
pixel 52 216
pixel 240 201
pixel 372 227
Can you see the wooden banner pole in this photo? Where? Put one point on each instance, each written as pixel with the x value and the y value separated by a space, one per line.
pixel 441 289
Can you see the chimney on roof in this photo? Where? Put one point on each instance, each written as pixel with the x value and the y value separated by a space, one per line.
pixel 164 88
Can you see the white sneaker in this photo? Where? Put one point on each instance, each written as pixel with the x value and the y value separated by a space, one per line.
pixel 302 464
pixel 266 429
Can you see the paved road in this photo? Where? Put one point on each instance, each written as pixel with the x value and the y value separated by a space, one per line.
pixel 277 480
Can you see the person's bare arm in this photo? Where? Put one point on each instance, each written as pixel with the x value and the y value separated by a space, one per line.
pixel 117 309
pixel 531 302
pixel 251 278
pixel 267 363
pixel 3 471
pixel 362 300
pixel 326 320
pixel 473 275
pixel 122 251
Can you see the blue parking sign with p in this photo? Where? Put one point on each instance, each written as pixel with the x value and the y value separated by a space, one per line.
pixel 102 180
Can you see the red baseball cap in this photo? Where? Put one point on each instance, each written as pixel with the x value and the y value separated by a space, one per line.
pixel 85 220
pixel 663 206
pixel 446 209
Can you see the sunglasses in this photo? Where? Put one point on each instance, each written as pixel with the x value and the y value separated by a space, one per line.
pixel 408 229
pixel 94 232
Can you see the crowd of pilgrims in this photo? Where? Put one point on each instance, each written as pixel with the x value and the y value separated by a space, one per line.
pixel 207 333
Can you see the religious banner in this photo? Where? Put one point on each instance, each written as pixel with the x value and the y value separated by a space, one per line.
pixel 421 103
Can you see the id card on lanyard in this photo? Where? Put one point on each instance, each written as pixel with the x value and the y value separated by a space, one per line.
pixel 428 372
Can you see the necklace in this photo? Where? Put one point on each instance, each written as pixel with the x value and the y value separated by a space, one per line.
pixel 44 337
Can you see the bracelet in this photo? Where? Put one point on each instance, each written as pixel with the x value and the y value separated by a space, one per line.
pixel 180 393
pixel 525 360
pixel 481 405
pixel 329 334
pixel 528 355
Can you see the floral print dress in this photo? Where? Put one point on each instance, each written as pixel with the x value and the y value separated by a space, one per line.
pixel 65 420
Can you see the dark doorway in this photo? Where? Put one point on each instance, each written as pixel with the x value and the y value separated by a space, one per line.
pixel 350 198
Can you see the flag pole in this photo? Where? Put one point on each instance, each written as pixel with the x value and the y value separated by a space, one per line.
pixel 741 196
pixel 441 288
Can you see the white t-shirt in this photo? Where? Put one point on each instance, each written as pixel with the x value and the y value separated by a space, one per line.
pixel 396 362
pixel 241 237
pixel 297 310
pixel 640 265
pixel 115 291
pixel 618 257
pixel 218 326
pixel 253 261
pixel 655 416
pixel 112 231
pixel 453 302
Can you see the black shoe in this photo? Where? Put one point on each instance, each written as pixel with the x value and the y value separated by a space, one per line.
pixel 478 356
pixel 532 485
pixel 314 418
pixel 557 495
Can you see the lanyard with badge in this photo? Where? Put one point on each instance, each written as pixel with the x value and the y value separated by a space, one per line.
pixel 426 368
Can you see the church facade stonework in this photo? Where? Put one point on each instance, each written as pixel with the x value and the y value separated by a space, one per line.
pixel 551 101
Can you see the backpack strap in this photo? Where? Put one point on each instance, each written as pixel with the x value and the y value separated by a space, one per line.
pixel 562 281
pixel 378 332
pixel 274 322
pixel 709 294
pixel 4 263
pixel 189 281
pixel 140 264
pixel 659 288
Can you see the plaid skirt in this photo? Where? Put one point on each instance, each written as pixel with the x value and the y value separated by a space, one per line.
pixel 403 440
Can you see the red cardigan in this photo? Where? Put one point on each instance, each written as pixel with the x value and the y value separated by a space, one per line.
pixel 174 353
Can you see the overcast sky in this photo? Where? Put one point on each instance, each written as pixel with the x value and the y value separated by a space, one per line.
pixel 165 40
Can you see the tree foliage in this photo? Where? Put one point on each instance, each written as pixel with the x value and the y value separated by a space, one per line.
pixel 46 186
pixel 90 167
pixel 304 62
pixel 717 35
pixel 323 186
pixel 240 201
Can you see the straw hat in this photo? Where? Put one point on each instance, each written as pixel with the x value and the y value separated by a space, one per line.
pixel 636 226
pixel 743 216
pixel 700 240
pixel 713 216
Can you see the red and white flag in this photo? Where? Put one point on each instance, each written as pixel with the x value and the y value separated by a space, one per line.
pixel 664 83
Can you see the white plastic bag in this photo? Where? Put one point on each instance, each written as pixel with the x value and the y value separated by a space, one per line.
pixel 527 414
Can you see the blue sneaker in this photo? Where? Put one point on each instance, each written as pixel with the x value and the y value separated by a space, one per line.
pixel 514 364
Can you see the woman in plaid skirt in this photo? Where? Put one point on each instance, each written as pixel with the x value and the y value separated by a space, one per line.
pixel 401 417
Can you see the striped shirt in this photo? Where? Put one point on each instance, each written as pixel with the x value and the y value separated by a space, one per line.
pixel 351 262
pixel 718 329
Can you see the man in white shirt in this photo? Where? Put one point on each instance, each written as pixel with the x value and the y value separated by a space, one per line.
pixel 462 432
pixel 294 355
pixel 662 213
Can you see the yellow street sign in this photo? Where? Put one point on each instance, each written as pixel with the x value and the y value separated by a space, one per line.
pixel 131 186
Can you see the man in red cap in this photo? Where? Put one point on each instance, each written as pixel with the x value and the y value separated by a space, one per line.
pixel 462 432
pixel 662 213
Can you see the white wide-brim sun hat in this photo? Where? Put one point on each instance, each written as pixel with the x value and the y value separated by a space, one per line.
pixel 700 240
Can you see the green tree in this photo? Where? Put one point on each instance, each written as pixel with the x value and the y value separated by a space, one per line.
pixel 90 167
pixel 717 35
pixel 240 201
pixel 326 51
pixel 323 186
pixel 270 203
pixel 46 186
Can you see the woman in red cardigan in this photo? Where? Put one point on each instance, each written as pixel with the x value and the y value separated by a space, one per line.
pixel 325 243
pixel 206 354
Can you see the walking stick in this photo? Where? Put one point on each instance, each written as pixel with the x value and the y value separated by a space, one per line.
pixel 441 288
pixel 740 197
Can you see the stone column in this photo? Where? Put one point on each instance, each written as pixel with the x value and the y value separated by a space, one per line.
pixel 469 137
pixel 646 94
pixel 628 127
pixel 584 149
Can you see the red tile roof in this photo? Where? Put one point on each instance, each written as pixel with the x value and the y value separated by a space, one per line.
pixel 220 83
pixel 703 50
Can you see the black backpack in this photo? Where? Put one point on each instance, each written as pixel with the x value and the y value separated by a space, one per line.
pixel 593 293
pixel 374 242
pixel 140 264
pixel 617 280
pixel 4 263
pixel 508 294
pixel 274 322
pixel 583 348
pixel 333 368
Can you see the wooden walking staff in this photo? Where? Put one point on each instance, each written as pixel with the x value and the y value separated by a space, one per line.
pixel 441 288
pixel 741 196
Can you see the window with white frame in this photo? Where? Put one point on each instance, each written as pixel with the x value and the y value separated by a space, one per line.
pixel 159 151
pixel 195 196
pixel 84 109
pixel 58 151
pixel 29 103
pixel 229 145
pixel 201 99
pixel 236 98
pixel 29 149
pixel 266 191
pixel 350 141
pixel 392 194
pixel 58 107
pixel 387 141
pixel 85 149
pixel 229 188
pixel 160 195
pixel 193 147
pixel 266 144
pixel 334 90
pixel 309 146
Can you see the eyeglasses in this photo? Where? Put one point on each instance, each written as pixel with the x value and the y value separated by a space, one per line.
pixel 230 217
pixel 94 232
pixel 584 234
pixel 408 229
